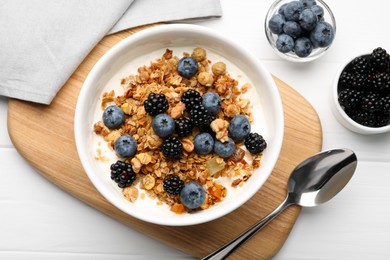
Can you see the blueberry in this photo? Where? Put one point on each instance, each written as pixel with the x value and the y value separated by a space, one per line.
pixel 292 29
pixel 284 43
pixel 187 67
pixel 163 125
pixel 125 146
pixel 204 143
pixel 318 10
pixel 281 8
pixel 308 20
pixel 239 127
pixel 192 195
pixel 276 23
pixel 303 47
pixel 224 149
pixel 293 10
pixel 212 102
pixel 113 117
pixel 322 35
pixel 308 3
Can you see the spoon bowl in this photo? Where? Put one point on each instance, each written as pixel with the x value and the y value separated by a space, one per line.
pixel 320 177
pixel 314 181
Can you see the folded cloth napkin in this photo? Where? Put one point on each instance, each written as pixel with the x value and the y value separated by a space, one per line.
pixel 42 42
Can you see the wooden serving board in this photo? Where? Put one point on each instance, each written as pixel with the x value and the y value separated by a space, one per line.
pixel 45 134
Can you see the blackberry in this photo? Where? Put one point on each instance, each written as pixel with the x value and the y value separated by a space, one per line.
pixel 122 173
pixel 359 81
pixel 191 98
pixel 371 119
pixel 360 65
pixel 365 118
pixel 345 79
pixel 207 128
pixel 352 113
pixel 172 148
pixel 200 117
pixel 349 98
pixel 183 127
pixel 173 185
pixel 382 120
pixel 156 104
pixel 255 143
pixel 370 102
pixel 380 81
pixel 380 59
pixel 384 105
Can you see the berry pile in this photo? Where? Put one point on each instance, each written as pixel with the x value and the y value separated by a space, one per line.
pixel 364 89
pixel 300 27
pixel 188 129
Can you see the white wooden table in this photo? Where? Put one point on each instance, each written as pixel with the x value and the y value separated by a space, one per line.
pixel 40 221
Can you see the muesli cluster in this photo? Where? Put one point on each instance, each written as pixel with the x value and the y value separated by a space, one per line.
pixel 180 125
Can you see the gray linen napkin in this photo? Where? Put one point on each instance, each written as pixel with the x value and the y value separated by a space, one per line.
pixel 43 41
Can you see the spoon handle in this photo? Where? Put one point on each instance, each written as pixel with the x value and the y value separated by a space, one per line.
pixel 231 246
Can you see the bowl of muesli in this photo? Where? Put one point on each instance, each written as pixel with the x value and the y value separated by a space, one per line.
pixel 178 125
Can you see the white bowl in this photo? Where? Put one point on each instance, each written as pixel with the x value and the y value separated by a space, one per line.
pixel 140 49
pixel 342 117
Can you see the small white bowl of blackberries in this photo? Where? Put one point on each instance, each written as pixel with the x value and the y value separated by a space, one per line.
pixel 301 30
pixel 361 93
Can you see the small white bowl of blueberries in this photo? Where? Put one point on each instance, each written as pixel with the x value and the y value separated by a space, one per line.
pixel 300 30
pixel 361 93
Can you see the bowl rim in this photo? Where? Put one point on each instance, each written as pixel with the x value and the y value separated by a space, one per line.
pixel 340 114
pixel 289 56
pixel 99 67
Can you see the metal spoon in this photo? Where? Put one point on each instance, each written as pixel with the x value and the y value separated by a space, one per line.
pixel 313 182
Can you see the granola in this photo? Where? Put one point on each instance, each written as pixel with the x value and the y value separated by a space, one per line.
pixel 149 164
